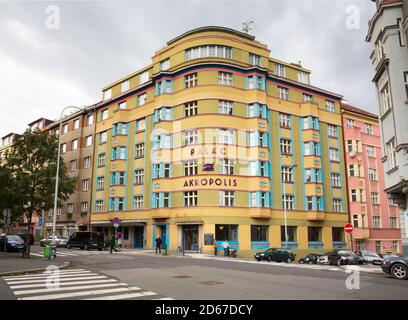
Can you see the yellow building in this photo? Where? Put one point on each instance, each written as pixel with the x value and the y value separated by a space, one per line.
pixel 211 141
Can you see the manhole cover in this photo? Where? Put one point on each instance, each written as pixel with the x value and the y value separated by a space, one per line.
pixel 211 283
pixel 182 277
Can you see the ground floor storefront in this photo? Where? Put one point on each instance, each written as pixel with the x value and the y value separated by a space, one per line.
pixel 62 229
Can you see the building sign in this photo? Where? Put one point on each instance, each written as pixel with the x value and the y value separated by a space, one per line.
pixel 209 151
pixel 210 182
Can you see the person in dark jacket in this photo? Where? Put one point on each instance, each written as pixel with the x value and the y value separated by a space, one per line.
pixel 112 244
pixel 158 244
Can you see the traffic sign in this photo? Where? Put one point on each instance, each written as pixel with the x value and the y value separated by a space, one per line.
pixel 116 220
pixel 115 225
pixel 348 228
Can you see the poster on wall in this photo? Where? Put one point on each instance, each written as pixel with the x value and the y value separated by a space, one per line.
pixel 208 239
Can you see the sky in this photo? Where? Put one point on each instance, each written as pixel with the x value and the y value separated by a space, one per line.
pixel 48 63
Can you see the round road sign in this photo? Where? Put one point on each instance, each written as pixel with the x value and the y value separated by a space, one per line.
pixel 348 228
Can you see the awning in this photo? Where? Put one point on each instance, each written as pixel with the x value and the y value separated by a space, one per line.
pixel 101 223
pixel 189 222
pixel 121 222
pixel 139 221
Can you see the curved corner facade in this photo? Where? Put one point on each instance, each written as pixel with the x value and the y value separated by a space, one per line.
pixel 212 142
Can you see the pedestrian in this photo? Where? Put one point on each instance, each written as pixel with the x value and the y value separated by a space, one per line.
pixel 215 247
pixel 112 244
pixel 119 237
pixel 158 244
pixel 225 245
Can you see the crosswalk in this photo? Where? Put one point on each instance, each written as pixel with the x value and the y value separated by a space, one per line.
pixel 75 284
pixel 71 253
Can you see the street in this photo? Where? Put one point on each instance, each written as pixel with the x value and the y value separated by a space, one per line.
pixel 141 275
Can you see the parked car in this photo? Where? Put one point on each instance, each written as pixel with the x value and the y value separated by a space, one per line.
pixel 324 259
pixel 387 256
pixel 276 254
pixel 340 257
pixel 310 258
pixel 61 242
pixel 369 256
pixel 24 237
pixel 12 242
pixel 396 266
pixel 86 240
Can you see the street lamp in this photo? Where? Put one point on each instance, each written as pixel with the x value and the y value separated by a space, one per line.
pixel 54 218
pixel 284 207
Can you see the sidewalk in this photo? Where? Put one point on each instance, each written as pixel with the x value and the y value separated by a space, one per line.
pixel 13 263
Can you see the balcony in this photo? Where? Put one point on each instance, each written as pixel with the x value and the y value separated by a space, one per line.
pixel 361 233
pixel 315 215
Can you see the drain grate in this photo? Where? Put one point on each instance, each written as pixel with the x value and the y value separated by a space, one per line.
pixel 211 283
pixel 182 277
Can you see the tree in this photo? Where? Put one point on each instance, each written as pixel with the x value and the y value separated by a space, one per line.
pixel 32 163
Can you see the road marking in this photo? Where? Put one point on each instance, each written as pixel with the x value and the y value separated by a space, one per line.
pixel 119 297
pixel 149 293
pixel 106 285
pixel 56 274
pixel 65 279
pixel 37 254
pixel 166 298
pixel 39 285
pixel 75 294
pixel 43 274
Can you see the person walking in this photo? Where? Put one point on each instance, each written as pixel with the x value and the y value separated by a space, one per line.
pixel 112 244
pixel 225 245
pixel 158 244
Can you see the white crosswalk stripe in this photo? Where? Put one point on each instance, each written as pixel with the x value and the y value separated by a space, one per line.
pixel 74 284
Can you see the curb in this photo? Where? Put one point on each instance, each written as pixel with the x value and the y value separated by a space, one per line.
pixel 22 272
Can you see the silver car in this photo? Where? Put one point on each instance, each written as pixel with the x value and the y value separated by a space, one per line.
pixel 61 242
pixel 323 260
pixel 370 257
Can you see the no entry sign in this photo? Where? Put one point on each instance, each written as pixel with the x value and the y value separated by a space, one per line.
pixel 348 228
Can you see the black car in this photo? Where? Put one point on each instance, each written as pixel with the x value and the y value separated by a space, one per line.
pixel 396 266
pixel 339 257
pixel 11 242
pixel 310 258
pixel 276 254
pixel 86 240
pixel 24 237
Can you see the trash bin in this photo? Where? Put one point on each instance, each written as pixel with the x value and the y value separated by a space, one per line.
pixel 47 251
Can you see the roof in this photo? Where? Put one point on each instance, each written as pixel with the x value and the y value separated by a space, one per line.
pixel 11 134
pixel 212 28
pixel 350 108
pixel 47 121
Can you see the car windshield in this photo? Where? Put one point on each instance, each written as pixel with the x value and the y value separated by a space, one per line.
pixel 14 238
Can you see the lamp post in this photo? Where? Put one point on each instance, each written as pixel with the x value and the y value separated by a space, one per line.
pixel 54 218
pixel 284 207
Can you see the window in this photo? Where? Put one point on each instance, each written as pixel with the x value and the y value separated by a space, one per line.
pixel 117 178
pixel 190 137
pixel 122 105
pixel 190 109
pixel 225 78
pixel 355 221
pixel 311 148
pixel 259 200
pixel 226 136
pixel 351 170
pixel 100 183
pixel 164 113
pixel 101 159
pixel 65 128
pixel 376 222
pixel 191 80
pixel 314 234
pixel 190 168
pixel 89 119
pixel 72 165
pixel 139 152
pixel 291 233
pixel 368 128
pixel 88 141
pixel 63 147
pixel 254 82
pixel 190 198
pixel 140 124
pixel 164 86
pixel 395 246
pixel 76 124
pixel 288 202
pixel 227 166
pixel 370 151
pixel 372 174
pixel 254 111
pixel 337 205
pixel 385 99
pixel 85 185
pixel 225 107
pixel 310 123
pixel 337 234
pixel 335 180
pixel 392 202
pixel 138 202
pixel 303 77
pixel 119 153
pixel 283 93
pixel 353 193
pixel 254 59
pixel 259 233
pixel 144 77
pixel 165 64
pixel 379 49
pixel 104 114
pixel 391 154
pixel 286 146
pixel 227 232
pixel 166 170
pixel 84 207
pixel 378 246
pixel 332 130
pixel 107 94
pixel 70 208
pixel 99 206
pixel 307 97
pixel 279 70
pixel 141 99
pixel 360 245
pixel 208 51
pixel 124 86
pixel 87 162
pixel 350 123
pixel 406 84
pixel 334 154
pixel 330 106
pixel 374 197
pixel 287 174
pixel 284 120
pixel 103 137
pixel 166 199
pixel 139 174
pixel 227 198
pixel 393 222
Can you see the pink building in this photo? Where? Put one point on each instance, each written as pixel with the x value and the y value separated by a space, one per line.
pixel 373 215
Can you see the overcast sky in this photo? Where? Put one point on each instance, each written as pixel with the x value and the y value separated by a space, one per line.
pixel 42 70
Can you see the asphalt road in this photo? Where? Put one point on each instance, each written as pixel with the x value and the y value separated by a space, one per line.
pixel 185 278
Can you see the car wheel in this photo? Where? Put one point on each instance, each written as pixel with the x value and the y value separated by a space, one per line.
pixel 68 246
pixel 289 260
pixel 258 259
pixel 86 247
pixel 399 271
pixel 269 258
pixel 99 249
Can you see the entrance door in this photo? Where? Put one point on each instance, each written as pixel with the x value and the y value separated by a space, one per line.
pixel 138 239
pixel 163 235
pixel 190 237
